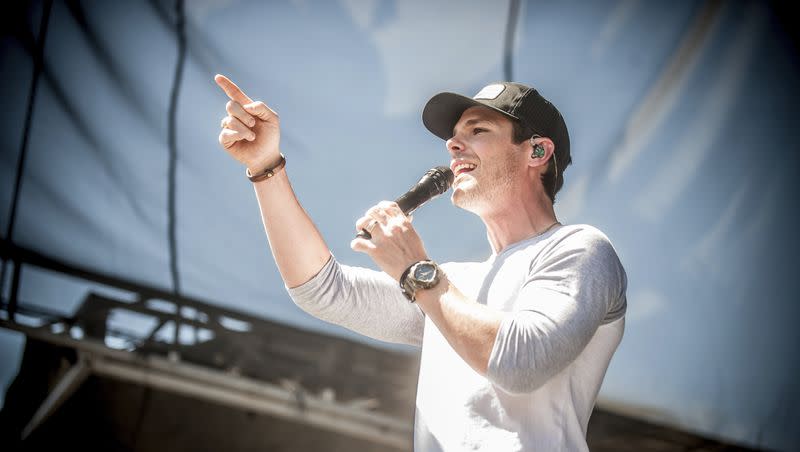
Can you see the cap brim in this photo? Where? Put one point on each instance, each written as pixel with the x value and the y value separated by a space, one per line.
pixel 443 111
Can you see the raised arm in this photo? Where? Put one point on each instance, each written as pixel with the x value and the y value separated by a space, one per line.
pixel 251 134
pixel 362 300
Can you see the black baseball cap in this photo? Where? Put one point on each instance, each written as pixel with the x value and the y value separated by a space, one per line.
pixel 514 100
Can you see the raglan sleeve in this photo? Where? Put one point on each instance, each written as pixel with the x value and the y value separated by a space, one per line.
pixel 366 301
pixel 578 285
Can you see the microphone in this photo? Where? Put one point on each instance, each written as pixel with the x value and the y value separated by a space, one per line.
pixel 433 183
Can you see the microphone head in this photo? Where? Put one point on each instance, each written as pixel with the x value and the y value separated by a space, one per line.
pixel 442 178
pixel 433 183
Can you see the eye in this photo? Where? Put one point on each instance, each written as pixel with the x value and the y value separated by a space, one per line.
pixel 478 130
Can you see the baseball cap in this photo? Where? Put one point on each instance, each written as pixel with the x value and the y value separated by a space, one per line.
pixel 514 100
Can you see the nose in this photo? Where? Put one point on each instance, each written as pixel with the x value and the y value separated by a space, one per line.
pixel 454 146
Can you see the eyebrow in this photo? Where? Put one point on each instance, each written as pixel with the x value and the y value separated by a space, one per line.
pixel 474 121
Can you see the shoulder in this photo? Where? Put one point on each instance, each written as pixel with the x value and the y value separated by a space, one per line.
pixel 584 255
pixel 581 233
pixel 581 244
pixel 581 237
pixel 598 266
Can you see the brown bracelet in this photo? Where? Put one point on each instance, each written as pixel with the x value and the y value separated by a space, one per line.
pixel 267 173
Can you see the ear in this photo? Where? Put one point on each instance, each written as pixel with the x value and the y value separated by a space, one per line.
pixel 549 147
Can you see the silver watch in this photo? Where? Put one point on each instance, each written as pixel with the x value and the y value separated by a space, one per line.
pixel 421 275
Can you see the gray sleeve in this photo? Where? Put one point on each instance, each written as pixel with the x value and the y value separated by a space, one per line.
pixel 363 300
pixel 578 286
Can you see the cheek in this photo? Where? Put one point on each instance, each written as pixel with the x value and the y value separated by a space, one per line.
pixel 483 149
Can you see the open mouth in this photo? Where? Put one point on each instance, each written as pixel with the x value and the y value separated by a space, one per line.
pixel 463 167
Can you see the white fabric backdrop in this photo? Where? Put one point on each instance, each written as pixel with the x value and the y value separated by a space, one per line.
pixel 683 138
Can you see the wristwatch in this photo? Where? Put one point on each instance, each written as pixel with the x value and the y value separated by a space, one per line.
pixel 421 275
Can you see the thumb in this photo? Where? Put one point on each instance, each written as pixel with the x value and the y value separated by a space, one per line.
pixel 362 245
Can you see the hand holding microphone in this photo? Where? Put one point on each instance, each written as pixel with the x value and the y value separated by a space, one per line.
pixel 433 183
pixel 397 245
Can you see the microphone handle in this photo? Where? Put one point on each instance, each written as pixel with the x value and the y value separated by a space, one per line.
pixel 435 182
pixel 408 203
pixel 364 234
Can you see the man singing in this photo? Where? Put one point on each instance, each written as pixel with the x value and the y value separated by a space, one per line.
pixel 515 348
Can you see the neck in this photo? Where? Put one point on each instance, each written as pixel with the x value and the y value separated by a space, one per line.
pixel 518 221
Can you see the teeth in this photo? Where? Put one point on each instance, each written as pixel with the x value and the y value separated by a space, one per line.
pixel 464 166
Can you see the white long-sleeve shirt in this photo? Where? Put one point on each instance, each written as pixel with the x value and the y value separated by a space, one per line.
pixel 565 295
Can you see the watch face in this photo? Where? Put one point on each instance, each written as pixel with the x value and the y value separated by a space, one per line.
pixel 425 272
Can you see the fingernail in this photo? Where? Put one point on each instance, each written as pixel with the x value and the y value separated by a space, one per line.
pixel 252 137
pixel 252 122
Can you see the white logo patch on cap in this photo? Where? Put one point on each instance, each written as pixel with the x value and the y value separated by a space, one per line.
pixel 490 92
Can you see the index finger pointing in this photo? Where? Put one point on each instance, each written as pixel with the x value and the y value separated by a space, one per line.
pixel 233 91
